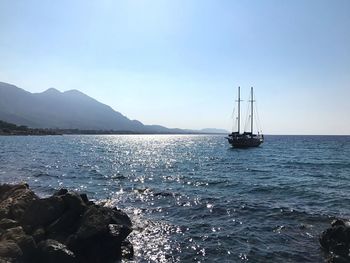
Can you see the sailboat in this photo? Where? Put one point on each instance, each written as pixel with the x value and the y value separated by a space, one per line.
pixel 245 139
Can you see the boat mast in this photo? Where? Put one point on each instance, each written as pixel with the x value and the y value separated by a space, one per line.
pixel 251 108
pixel 239 108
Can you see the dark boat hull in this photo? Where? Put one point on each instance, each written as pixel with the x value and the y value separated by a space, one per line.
pixel 245 142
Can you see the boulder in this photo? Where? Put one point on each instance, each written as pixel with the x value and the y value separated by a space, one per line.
pixel 25 242
pixel 44 211
pixel 336 241
pixel 14 199
pixel 100 235
pixel 68 222
pixel 96 220
pixel 65 227
pixel 73 201
pixel 9 249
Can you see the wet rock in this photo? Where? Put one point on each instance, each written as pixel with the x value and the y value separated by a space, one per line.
pixel 336 241
pixel 54 252
pixel 127 250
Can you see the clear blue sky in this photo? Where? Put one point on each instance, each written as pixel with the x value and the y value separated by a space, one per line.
pixel 178 63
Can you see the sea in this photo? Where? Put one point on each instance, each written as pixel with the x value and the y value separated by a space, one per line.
pixel 193 198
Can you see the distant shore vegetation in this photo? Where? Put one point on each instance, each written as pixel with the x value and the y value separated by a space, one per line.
pixel 7 128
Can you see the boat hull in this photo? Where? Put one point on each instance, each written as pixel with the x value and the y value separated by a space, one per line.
pixel 243 142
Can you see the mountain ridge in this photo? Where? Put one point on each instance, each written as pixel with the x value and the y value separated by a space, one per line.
pixel 55 109
pixel 71 109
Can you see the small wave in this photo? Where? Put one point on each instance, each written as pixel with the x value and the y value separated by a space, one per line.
pixel 318 164
pixel 259 170
pixel 44 174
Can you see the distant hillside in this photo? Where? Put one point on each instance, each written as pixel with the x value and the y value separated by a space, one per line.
pixel 55 109
pixel 70 110
pixel 65 110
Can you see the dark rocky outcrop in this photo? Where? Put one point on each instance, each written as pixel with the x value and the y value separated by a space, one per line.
pixel 336 242
pixel 65 227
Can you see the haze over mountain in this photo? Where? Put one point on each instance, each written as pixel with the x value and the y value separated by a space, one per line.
pixel 66 110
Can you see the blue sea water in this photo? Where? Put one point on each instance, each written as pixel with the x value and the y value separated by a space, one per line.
pixel 193 198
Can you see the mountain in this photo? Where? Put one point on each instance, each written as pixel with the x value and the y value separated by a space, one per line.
pixel 71 109
pixel 66 110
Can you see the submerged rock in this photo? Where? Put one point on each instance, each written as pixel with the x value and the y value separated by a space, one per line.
pixel 336 241
pixel 65 227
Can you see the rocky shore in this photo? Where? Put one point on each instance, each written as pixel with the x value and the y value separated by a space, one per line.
pixel 336 242
pixel 65 227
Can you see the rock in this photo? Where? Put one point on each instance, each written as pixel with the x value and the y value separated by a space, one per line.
pixel 337 222
pixel 9 249
pixel 24 241
pixel 14 199
pixel 44 211
pixel 74 202
pixel 84 198
pixel 96 221
pixel 65 227
pixel 39 234
pixel 7 260
pixel 6 223
pixel 127 250
pixel 337 259
pixel 67 223
pixel 336 241
pixel 119 231
pixel 53 251
pixel 100 235
pixel 62 191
